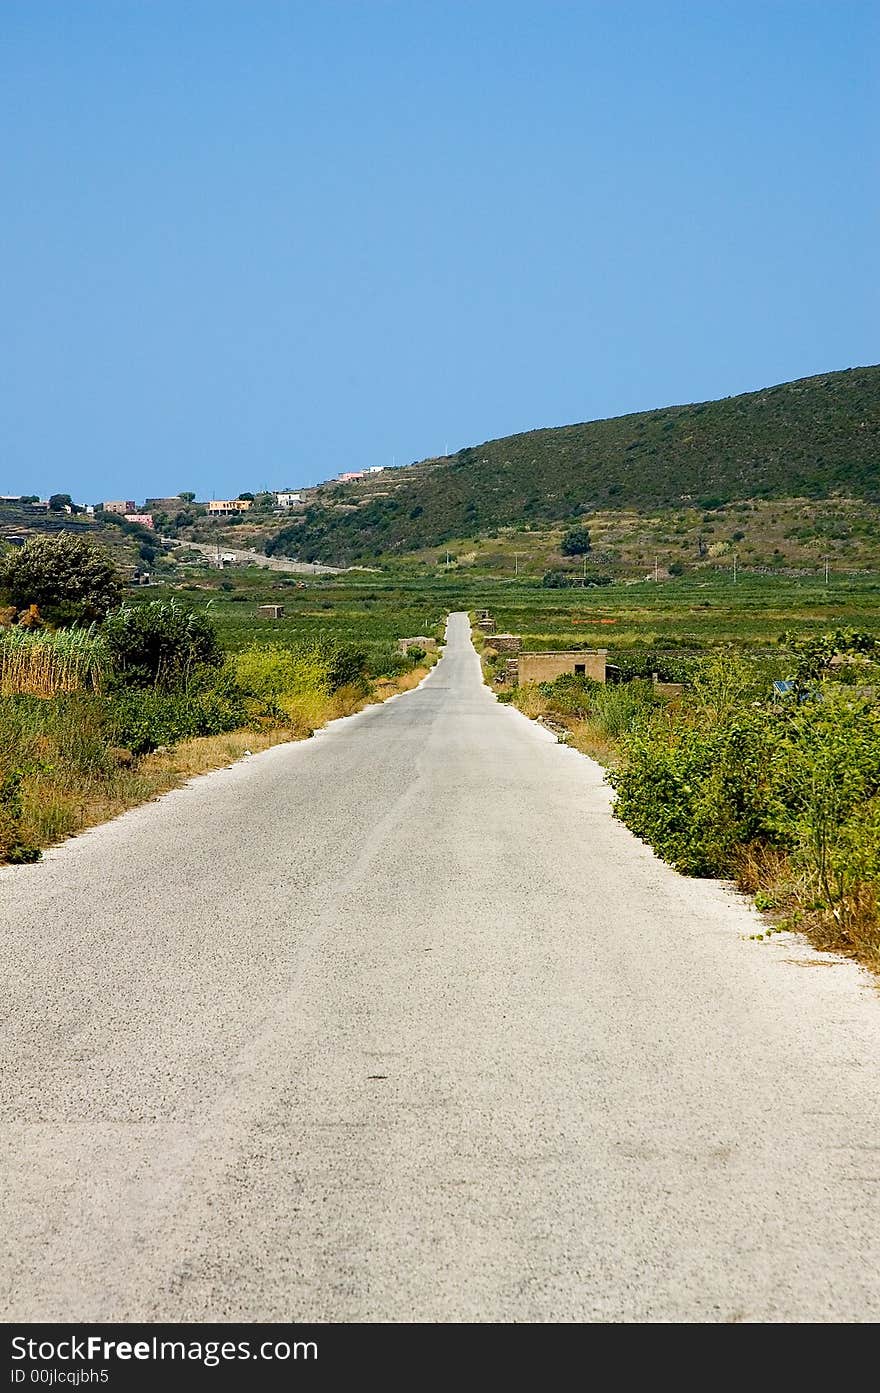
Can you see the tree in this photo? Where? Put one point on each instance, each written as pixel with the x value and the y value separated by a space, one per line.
pixel 249 497
pixel 59 501
pixel 186 496
pixel 161 643
pixel 71 579
pixel 576 542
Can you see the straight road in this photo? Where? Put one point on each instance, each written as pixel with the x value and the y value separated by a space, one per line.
pixel 398 1023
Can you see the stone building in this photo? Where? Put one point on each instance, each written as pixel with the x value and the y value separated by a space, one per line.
pixel 544 667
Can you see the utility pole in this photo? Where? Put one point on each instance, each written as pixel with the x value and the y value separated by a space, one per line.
pixel 585 565
pixel 656 570
pixel 516 563
pixel 447 560
pixel 826 570
pixel 735 559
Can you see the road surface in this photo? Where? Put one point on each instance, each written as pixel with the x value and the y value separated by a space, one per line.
pixel 398 1023
pixel 258 558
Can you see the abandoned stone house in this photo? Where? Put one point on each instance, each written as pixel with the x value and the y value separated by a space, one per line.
pixel 270 611
pixel 544 667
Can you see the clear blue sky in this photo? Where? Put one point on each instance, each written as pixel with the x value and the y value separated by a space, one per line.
pixel 251 244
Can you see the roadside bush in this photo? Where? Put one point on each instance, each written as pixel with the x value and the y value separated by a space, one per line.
pixel 142 721
pixel 621 709
pixel 160 644
pixel 321 665
pixel 570 694
pixel 733 770
pixel 613 710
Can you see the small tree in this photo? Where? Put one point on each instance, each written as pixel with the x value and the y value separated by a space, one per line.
pixel 71 579
pixel 576 542
pixel 59 501
pixel 186 496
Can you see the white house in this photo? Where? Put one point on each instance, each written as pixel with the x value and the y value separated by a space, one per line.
pixel 287 500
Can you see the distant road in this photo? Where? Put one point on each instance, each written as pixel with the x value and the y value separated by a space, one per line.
pixel 257 558
pixel 398 1024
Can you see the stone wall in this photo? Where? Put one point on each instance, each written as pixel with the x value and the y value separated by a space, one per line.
pixel 505 643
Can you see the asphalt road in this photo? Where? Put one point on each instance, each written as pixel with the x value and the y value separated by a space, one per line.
pixel 398 1023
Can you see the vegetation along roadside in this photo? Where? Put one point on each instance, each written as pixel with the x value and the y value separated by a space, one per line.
pixel 764 770
pixel 105 703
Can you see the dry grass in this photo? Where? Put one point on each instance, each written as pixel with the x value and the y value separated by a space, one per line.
pixel 54 808
pixel 530 701
pixel 583 735
pixel 788 898
pixel 589 740
pixel 40 663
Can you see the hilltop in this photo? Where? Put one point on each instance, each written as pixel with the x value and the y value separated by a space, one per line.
pixel 816 438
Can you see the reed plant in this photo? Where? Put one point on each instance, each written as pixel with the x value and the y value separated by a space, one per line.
pixel 38 662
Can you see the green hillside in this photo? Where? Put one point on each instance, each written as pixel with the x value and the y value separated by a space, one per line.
pixel 814 438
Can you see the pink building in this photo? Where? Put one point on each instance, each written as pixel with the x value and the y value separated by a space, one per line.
pixel 145 519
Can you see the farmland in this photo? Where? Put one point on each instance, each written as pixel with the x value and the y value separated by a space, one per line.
pixel 687 615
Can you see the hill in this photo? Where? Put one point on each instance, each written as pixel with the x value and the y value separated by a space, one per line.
pixel 815 438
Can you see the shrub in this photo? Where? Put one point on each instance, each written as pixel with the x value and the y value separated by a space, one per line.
pixel 142 721
pixel 576 542
pixel 160 643
pixel 319 665
pixel 732 771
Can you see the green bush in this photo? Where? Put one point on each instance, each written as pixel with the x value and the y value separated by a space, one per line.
pixel 733 769
pixel 142 721
pixel 576 542
pixel 570 694
pixel 160 643
pixel 319 665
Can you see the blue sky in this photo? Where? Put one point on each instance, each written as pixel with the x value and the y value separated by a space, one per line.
pixel 253 244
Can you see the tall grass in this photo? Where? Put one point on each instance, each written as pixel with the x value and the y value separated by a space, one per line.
pixel 44 664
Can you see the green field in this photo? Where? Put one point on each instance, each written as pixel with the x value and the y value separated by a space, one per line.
pixel 685 616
